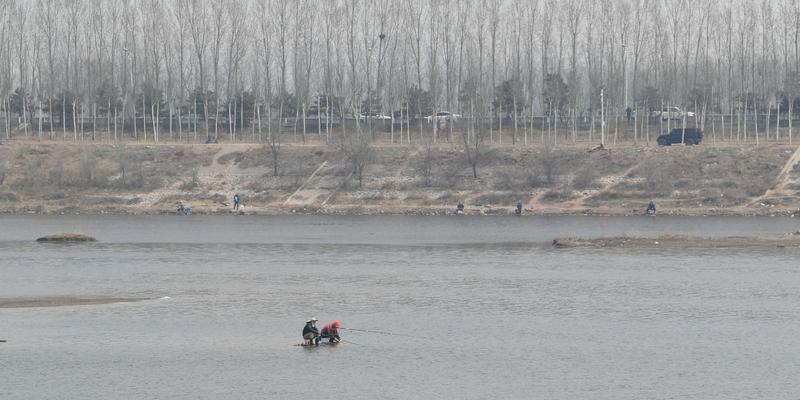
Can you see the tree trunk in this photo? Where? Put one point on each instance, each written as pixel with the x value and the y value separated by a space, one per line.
pixel 216 121
pixel 133 113
pixel 514 136
pixel 94 120
pixel 155 110
pixel 108 121
pixel 180 123
pixel 40 120
pixel 258 114
pixel 25 115
pixel 83 107
pixel 230 124
pixel 491 124
pixel 144 119
pixel 791 107
pixel 74 123
pixel 170 120
pixel 123 117
pixel 50 105
pixel 304 122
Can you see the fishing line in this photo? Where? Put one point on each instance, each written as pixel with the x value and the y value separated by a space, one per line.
pixel 386 333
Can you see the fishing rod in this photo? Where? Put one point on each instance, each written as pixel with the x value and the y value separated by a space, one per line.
pixel 386 333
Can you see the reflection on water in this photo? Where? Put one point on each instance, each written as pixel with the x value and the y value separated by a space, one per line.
pixel 497 312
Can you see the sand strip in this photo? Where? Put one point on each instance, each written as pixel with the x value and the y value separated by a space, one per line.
pixel 680 241
pixel 64 301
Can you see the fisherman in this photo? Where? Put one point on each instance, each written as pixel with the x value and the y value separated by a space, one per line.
pixel 310 332
pixel 519 207
pixel 330 332
pixel 183 209
pixel 651 208
pixel 236 201
pixel 460 208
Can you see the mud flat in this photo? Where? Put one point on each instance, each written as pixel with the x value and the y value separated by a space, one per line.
pixel 681 241
pixel 63 301
pixel 67 237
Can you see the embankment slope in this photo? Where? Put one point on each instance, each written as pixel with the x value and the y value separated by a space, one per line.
pixel 137 178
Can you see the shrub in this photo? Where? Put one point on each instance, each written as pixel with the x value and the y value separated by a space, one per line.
pixel 8 197
pixel 557 194
pixel 584 179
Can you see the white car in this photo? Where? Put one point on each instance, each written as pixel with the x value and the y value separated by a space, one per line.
pixel 362 117
pixel 671 113
pixel 442 116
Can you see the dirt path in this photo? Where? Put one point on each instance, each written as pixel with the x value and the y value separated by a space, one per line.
pixel 315 193
pixel 580 203
pixel 223 177
pixel 613 182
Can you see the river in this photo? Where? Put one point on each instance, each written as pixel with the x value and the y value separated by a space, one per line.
pixel 478 308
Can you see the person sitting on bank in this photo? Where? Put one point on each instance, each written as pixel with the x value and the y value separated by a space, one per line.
pixel 460 208
pixel 310 332
pixel 519 207
pixel 651 208
pixel 330 332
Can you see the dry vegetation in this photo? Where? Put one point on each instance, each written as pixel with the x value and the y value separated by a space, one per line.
pixel 397 179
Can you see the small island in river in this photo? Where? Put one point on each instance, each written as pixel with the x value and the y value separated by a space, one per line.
pixel 681 241
pixel 67 237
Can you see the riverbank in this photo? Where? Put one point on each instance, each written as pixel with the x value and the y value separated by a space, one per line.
pixel 568 180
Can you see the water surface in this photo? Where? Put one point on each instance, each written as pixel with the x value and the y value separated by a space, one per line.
pixel 487 309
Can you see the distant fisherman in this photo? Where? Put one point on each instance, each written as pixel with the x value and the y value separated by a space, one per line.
pixel 236 201
pixel 330 332
pixel 651 208
pixel 310 332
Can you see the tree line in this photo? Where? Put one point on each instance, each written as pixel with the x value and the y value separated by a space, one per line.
pixel 231 67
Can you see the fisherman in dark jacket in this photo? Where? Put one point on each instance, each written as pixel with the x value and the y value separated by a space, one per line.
pixel 236 201
pixel 310 332
pixel 651 208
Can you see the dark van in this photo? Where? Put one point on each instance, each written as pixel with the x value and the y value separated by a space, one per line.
pixel 688 136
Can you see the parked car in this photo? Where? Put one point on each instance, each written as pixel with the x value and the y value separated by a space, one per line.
pixel 671 113
pixel 442 116
pixel 363 117
pixel 687 136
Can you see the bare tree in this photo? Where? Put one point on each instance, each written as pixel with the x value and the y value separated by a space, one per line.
pixel 359 153
pixel 726 61
pixel 198 27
